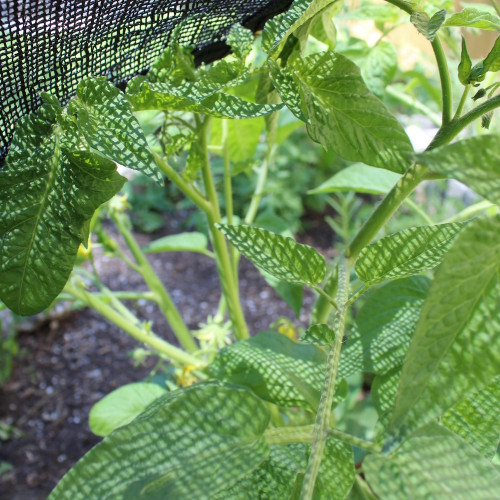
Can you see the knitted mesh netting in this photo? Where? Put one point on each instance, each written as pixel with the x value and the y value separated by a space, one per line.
pixel 50 45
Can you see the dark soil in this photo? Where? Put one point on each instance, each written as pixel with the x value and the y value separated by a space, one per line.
pixel 73 360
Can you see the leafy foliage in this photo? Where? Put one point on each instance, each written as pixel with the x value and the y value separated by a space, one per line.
pixel 49 190
pixel 408 252
pixel 280 256
pixel 190 443
pixel 456 347
pixel 432 462
pixel 276 368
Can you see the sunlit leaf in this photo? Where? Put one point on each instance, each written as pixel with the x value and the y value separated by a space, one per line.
pixel 48 193
pixel 432 463
pixel 190 443
pixel 474 161
pixel 278 255
pixel 456 346
pixel 275 367
pixel 191 242
pixel 428 26
pixel 360 178
pixel 343 115
pixel 406 253
pixel 473 18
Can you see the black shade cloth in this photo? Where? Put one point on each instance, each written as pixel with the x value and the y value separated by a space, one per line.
pixel 50 45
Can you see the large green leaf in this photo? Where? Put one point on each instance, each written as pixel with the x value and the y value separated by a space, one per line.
pixel 477 419
pixel 379 67
pixel 432 463
pixel 278 477
pixel 408 252
pixel 48 193
pixel 474 161
pixel 276 368
pixel 384 327
pixel 278 255
pixel 360 178
pixel 121 406
pixel 473 18
pixel 195 97
pixel 345 116
pixel 456 346
pixel 106 120
pixel 182 242
pixel 190 443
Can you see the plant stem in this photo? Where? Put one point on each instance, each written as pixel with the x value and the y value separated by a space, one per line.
pixel 225 269
pixel 321 424
pixel 363 489
pixel 444 74
pixel 461 104
pixel 323 307
pixel 228 191
pixel 496 5
pixel 414 104
pixel 132 329
pixel 410 180
pixel 120 295
pixel 193 194
pixel 259 188
pixel 164 300
pixel 325 295
pixel 452 129
pixel 472 210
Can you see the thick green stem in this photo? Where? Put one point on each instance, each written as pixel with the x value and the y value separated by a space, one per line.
pixel 447 133
pixel 163 298
pixel 225 269
pixel 193 194
pixel 228 191
pixel 444 74
pixel 321 425
pixel 146 337
pixel 410 180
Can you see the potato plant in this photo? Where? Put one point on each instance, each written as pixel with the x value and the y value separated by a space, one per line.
pixel 260 421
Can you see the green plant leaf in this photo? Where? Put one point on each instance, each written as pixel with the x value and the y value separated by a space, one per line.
pixel 492 60
pixel 182 242
pixel 477 419
pixel 345 116
pixel 384 327
pixel 432 463
pixel 190 443
pixel 473 18
pixel 379 67
pixel 287 88
pixel 275 367
pixel 240 39
pixel 406 253
pixel 195 97
pixel 465 65
pixel 279 28
pixel 48 194
pixel 106 120
pixel 369 12
pixel 474 161
pixel 456 346
pixel 121 406
pixel 278 255
pixel 360 178
pixel 320 334
pixel 428 26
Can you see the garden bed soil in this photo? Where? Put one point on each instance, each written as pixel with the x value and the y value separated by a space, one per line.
pixel 73 359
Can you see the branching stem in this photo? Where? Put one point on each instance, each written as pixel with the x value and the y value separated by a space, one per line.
pixel 321 425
